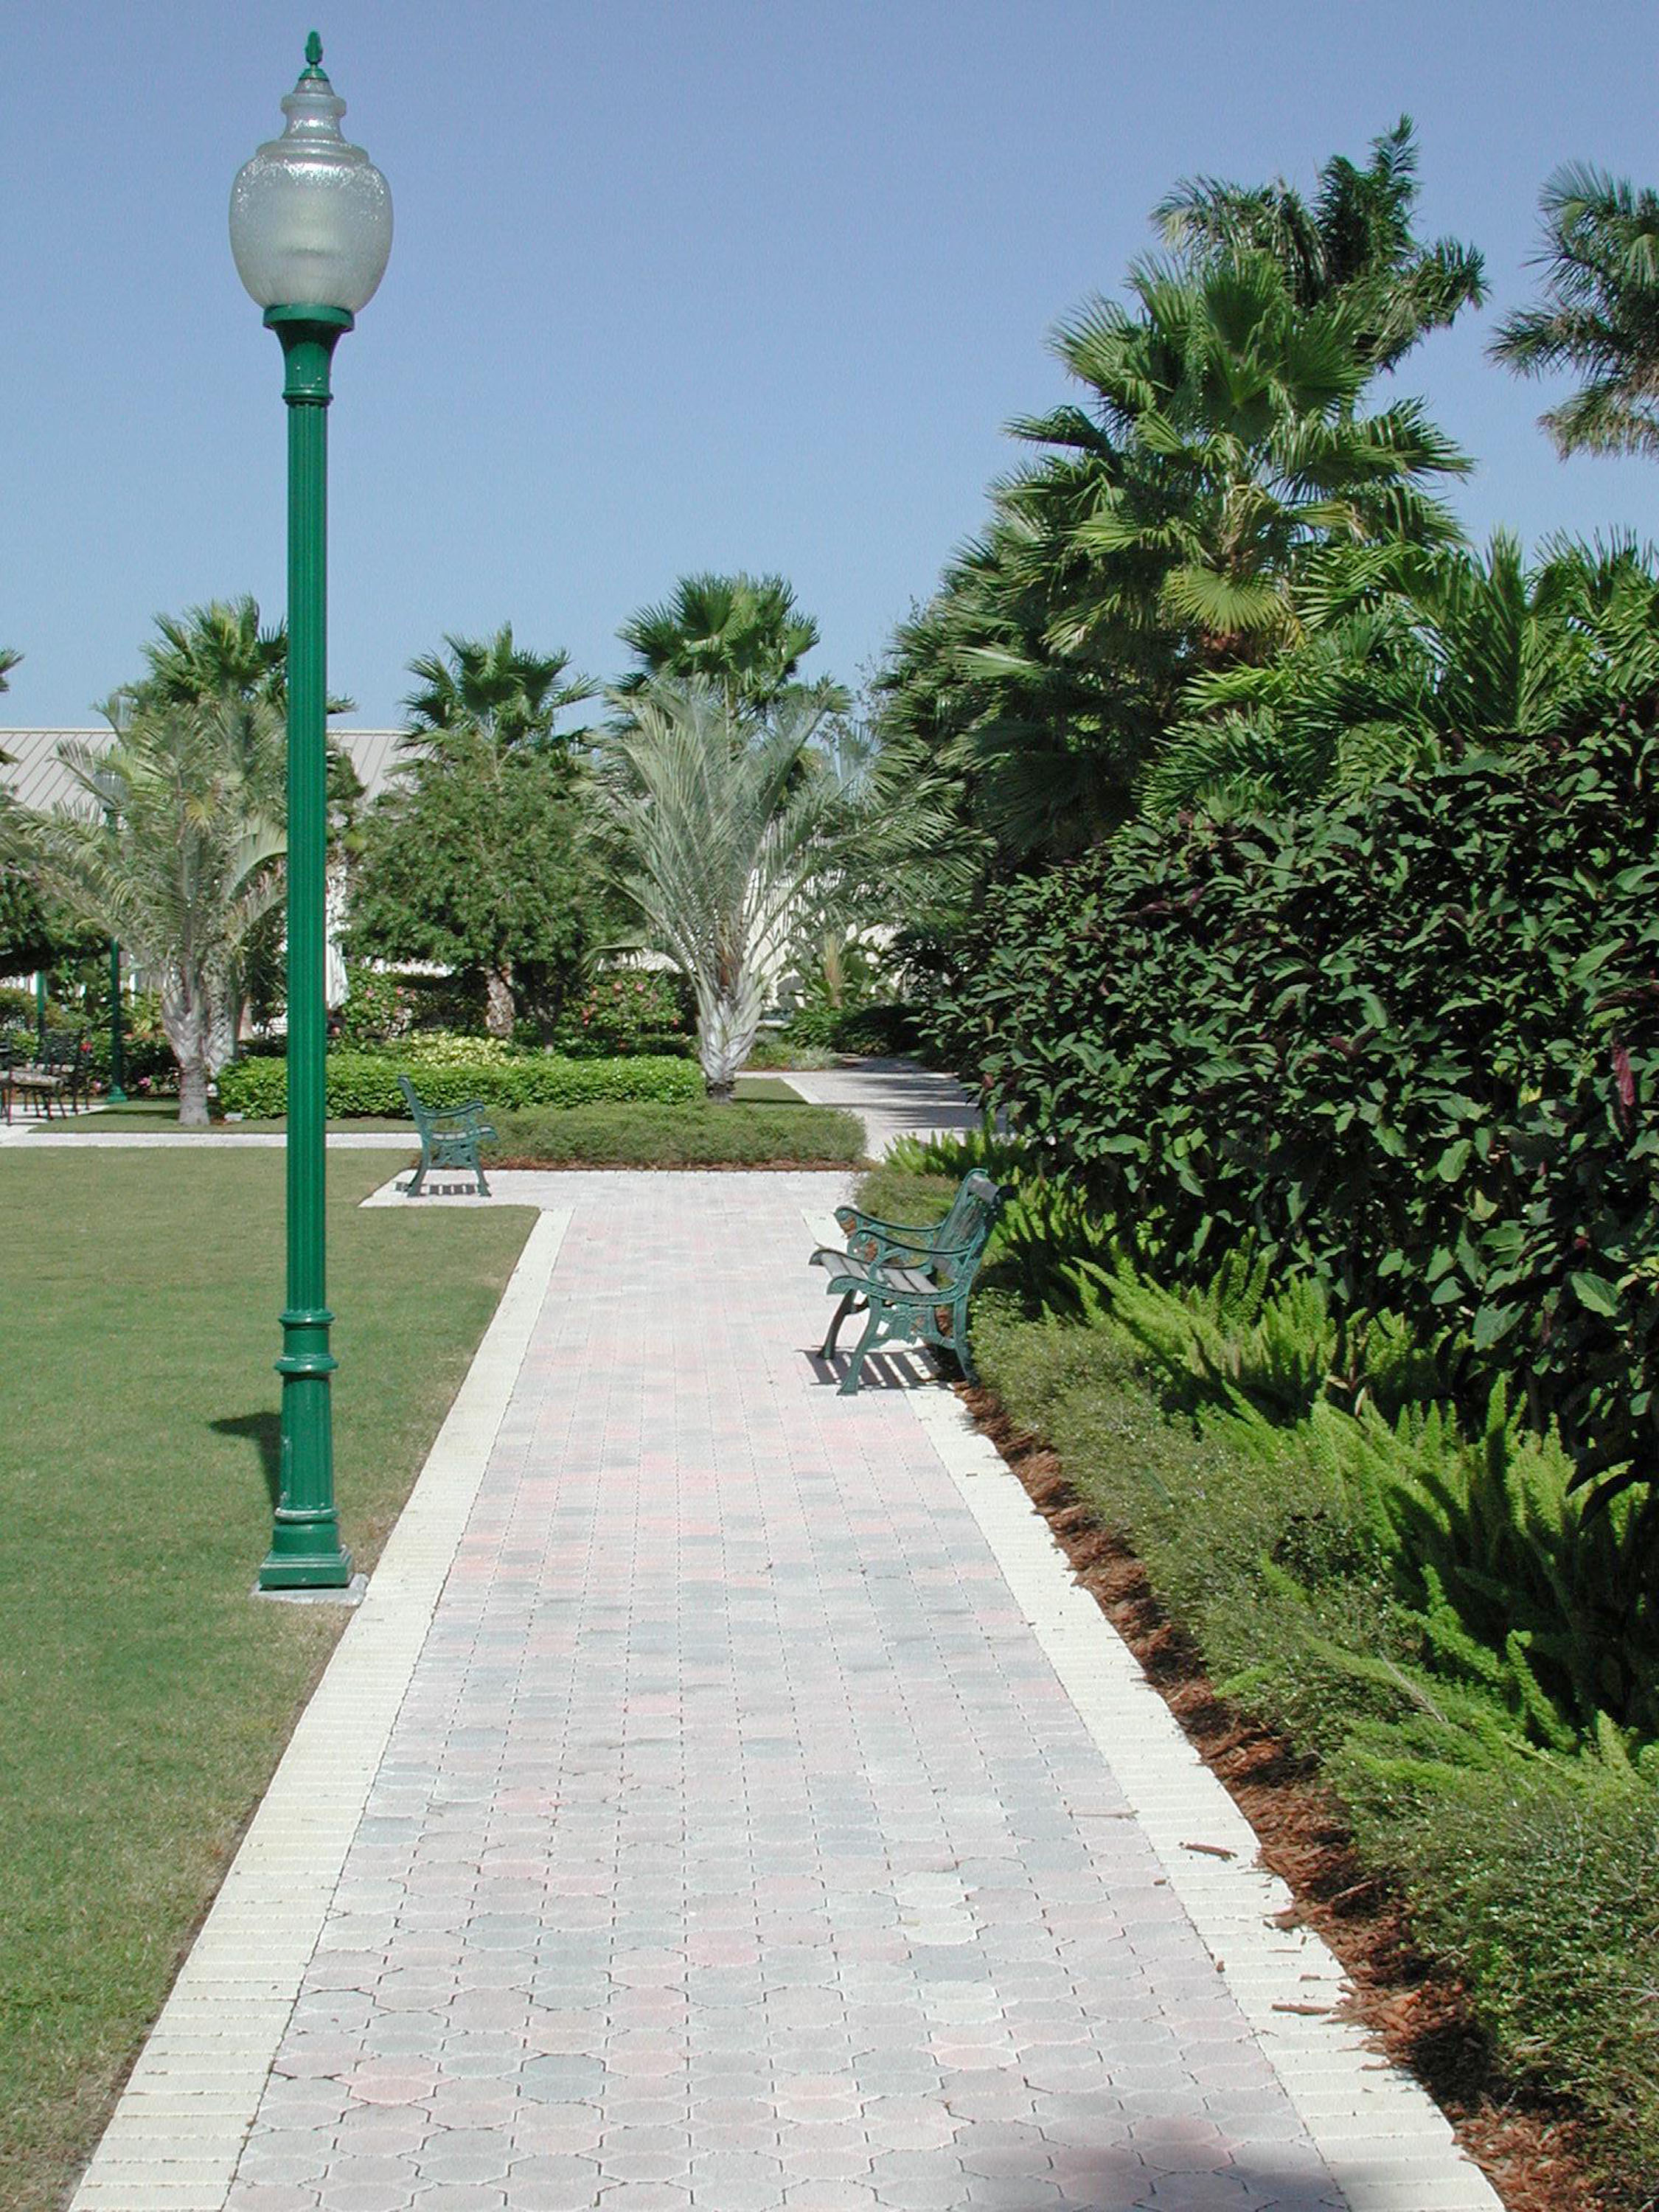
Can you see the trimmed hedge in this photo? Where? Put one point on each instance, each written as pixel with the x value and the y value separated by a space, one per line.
pixel 1408 1042
pixel 367 1083
pixel 700 1134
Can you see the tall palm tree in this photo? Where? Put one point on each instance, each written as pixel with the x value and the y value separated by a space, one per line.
pixel 744 634
pixel 722 819
pixel 1401 648
pixel 1222 444
pixel 176 852
pixel 219 651
pixel 9 660
pixel 1600 315
pixel 493 688
pixel 1223 441
pixel 1353 241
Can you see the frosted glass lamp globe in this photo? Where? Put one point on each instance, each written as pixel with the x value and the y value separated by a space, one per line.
pixel 311 215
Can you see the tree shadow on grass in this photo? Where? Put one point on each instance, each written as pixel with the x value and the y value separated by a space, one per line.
pixel 265 1430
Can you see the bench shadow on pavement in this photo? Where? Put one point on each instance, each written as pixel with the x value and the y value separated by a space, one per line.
pixel 901 1370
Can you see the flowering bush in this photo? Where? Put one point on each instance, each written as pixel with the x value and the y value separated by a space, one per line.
pixel 380 1004
pixel 628 1011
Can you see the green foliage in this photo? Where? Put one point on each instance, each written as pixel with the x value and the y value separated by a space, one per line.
pixel 476 861
pixel 723 818
pixel 379 1007
pixel 1406 1042
pixel 1396 1596
pixel 174 849
pixel 1400 647
pixel 1221 443
pixel 1600 316
pixel 624 1010
pixel 367 1084
pixel 744 635
pixel 884 1028
pixel 1352 243
pixel 491 689
pixel 1536 1884
pixel 697 1135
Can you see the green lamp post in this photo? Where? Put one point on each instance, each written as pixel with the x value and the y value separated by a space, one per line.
pixel 117 1074
pixel 311 229
pixel 117 1092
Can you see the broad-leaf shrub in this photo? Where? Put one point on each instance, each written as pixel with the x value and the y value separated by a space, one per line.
pixel 1406 1042
pixel 628 1010
pixel 365 1083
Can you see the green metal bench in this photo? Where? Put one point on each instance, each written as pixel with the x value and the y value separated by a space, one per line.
pixel 57 1073
pixel 450 1137
pixel 913 1282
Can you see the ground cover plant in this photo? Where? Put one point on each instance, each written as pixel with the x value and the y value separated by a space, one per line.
pixel 1435 1611
pixel 752 1133
pixel 148 1695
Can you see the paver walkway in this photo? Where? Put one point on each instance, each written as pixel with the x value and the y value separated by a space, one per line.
pixel 736 1846
pixel 727 1850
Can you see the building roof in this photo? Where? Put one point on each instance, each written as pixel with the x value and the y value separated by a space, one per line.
pixel 34 772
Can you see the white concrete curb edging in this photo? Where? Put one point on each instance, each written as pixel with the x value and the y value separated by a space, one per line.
pixel 176 2133
pixel 1388 2147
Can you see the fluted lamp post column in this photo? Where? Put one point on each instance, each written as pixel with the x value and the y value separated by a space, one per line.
pixel 311 229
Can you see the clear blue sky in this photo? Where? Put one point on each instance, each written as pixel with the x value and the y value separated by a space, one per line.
pixel 706 284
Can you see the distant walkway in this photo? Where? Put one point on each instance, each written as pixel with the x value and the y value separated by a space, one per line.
pixel 895 1097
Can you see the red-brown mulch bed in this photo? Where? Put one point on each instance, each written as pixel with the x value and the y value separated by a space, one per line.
pixel 1529 2149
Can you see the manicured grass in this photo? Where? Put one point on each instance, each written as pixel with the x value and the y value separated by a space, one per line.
pixel 160 1116
pixel 146 1696
pixel 743 1134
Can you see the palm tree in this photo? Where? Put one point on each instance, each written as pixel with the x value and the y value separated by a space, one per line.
pixel 1225 443
pixel 490 688
pixel 177 854
pixel 1402 648
pixel 219 651
pixel 742 633
pixel 1600 316
pixel 9 660
pixel 1353 242
pixel 722 821
pixel 1221 446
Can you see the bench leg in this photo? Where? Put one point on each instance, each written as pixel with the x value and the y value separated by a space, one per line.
pixel 874 1330
pixel 827 1348
pixel 412 1187
pixel 964 1349
pixel 477 1169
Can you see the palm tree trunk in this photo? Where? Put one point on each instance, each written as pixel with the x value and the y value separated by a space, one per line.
pixel 498 1001
pixel 726 1024
pixel 193 1094
pixel 187 1017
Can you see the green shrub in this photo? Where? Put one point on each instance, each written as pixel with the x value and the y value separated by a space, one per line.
pixel 1406 1042
pixel 367 1084
pixel 887 1029
pixel 628 1011
pixel 1283 1548
pixel 1536 1884
pixel 696 1134
pixel 380 1004
pixel 777 1048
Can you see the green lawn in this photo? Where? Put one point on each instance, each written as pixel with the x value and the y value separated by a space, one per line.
pixel 146 1696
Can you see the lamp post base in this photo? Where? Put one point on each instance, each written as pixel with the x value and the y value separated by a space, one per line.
pixel 306 1554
